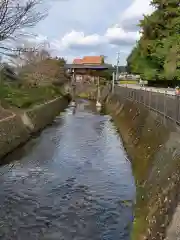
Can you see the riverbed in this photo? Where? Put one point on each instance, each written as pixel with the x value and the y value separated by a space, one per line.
pixel 72 181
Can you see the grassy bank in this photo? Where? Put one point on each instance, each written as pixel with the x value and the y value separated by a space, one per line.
pixel 24 97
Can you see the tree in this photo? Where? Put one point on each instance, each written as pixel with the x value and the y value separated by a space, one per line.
pixel 15 16
pixel 103 59
pixel 34 54
pixel 42 69
pixel 157 54
pixel 33 57
pixel 8 73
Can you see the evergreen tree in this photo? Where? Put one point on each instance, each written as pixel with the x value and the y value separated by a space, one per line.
pixel 157 54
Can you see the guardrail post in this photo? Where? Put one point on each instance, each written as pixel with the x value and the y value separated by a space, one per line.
pixel 149 98
pixel 156 107
pixel 139 96
pixel 142 96
pixel 144 99
pixel 177 108
pixel 165 95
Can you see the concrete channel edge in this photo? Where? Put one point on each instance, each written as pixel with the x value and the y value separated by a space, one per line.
pixel 19 127
pixel 154 150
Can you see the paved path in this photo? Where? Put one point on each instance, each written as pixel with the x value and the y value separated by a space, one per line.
pixel 169 91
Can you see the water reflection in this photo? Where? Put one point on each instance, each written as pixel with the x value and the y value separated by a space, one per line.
pixel 71 182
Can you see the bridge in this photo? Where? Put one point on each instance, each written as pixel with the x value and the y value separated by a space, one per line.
pixel 82 75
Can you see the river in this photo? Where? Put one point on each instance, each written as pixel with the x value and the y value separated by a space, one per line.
pixel 73 181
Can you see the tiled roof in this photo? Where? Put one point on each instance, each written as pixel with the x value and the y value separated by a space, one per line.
pixel 92 60
pixel 77 61
pixel 89 60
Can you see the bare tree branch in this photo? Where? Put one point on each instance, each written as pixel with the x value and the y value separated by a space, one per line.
pixel 16 15
pixel 30 55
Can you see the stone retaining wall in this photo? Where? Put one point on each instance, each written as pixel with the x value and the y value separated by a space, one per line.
pixel 18 128
pixel 153 147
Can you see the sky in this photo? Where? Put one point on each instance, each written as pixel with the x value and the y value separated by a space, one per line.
pixel 75 28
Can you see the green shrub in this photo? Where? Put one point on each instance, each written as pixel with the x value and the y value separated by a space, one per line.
pixel 26 97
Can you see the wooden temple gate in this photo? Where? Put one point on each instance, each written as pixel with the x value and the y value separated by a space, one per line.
pixel 84 75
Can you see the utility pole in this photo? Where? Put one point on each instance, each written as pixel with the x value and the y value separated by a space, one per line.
pixel 117 66
pixel 113 78
pixel 73 84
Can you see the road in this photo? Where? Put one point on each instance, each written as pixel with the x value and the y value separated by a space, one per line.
pixel 168 105
pixel 168 91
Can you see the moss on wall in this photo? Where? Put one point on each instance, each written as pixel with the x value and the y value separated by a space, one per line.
pixel 153 145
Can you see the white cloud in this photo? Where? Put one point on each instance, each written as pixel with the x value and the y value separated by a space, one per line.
pixel 118 36
pixel 92 34
pixel 122 34
pixel 78 41
pixel 114 35
pixel 75 39
pixel 134 13
pixel 137 9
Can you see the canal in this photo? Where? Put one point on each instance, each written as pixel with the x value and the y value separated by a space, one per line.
pixel 73 181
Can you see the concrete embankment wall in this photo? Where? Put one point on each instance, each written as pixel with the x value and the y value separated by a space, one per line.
pixel 44 114
pixel 12 133
pixel 18 128
pixel 153 146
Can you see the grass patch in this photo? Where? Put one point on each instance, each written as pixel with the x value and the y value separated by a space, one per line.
pixel 83 95
pixel 128 82
pixel 24 97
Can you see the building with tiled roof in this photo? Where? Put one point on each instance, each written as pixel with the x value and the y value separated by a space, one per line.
pixel 88 68
pixel 89 60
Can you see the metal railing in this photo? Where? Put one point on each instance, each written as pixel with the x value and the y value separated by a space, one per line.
pixel 162 103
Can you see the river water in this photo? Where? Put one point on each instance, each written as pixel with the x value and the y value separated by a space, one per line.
pixel 73 181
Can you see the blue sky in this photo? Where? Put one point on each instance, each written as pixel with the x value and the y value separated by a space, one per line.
pixel 75 28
